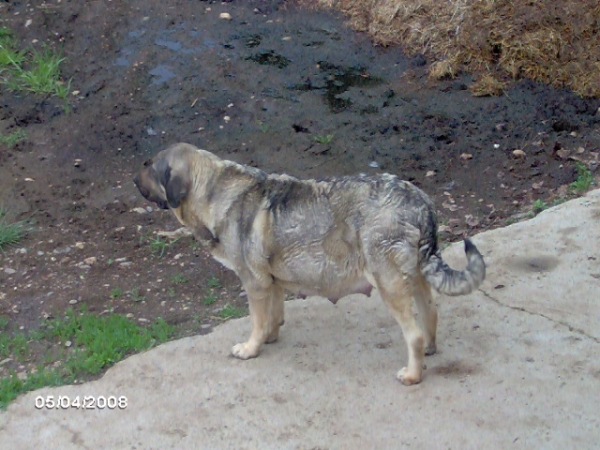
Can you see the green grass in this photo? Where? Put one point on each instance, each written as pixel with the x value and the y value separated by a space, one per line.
pixel 10 232
pixel 209 300
pixel 31 70
pixel 158 246
pixel 584 179
pixel 213 283
pixel 116 293
pixel 231 312
pixel 179 279
pixel 13 139
pixel 325 139
pixel 539 205
pixel 96 343
pixel 262 126
pixel 136 296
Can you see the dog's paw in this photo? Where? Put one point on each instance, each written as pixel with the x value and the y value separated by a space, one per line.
pixel 244 351
pixel 430 349
pixel 407 379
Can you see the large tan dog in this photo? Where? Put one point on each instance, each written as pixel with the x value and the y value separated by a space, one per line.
pixel 330 238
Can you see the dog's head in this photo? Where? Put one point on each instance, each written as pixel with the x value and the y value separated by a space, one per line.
pixel 165 179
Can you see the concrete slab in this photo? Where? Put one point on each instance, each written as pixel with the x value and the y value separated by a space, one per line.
pixel 518 366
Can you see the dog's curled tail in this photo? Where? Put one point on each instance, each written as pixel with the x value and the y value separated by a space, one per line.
pixel 449 281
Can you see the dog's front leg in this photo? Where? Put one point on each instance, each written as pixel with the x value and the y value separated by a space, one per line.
pixel 266 315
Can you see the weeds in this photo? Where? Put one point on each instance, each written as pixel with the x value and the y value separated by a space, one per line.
pixel 179 279
pixel 158 246
pixel 10 232
pixel 209 300
pixel 538 206
pixel 96 343
pixel 13 139
pixel 324 139
pixel 584 179
pixel 262 126
pixel 116 293
pixel 231 312
pixel 35 71
pixel 136 296
pixel 213 283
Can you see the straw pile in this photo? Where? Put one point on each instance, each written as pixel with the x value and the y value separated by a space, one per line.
pixel 556 42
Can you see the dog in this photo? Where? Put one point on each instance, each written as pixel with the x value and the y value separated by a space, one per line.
pixel 331 237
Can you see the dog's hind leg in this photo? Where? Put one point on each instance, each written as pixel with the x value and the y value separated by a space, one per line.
pixel 428 312
pixel 266 315
pixel 397 291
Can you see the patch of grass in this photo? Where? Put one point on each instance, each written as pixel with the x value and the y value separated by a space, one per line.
pixel 158 245
pixel 231 312
pixel 584 179
pixel 262 126
pixel 13 139
pixel 10 232
pixel 209 300
pixel 136 296
pixel 539 205
pixel 324 139
pixel 179 279
pixel 116 293
pixel 96 343
pixel 31 70
pixel 213 283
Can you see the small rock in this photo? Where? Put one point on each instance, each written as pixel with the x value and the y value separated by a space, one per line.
pixel 21 251
pixel 9 271
pixel 22 376
pixel 466 156
pixel 225 16
pixel 148 208
pixel 68 343
pixel 140 210
pixel 496 145
pixel 374 164
pixel 84 266
pixel 118 260
pixel 129 315
pixel 79 245
pixel 519 153
pixel 563 153
pixel 226 118
pixel 141 319
pixel 430 173
pixel 125 264
pixel 205 326
pixel 40 253
pixel 177 256
pixel 243 294
pixel 151 132
pixel 90 261
pixel 72 302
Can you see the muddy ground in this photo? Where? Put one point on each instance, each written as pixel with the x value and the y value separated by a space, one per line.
pixel 278 87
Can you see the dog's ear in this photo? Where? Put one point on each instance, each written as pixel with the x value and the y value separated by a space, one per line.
pixel 174 181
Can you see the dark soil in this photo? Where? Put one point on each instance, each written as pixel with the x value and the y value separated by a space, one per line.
pixel 277 87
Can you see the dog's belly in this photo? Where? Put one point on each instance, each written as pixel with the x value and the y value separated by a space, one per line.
pixel 333 291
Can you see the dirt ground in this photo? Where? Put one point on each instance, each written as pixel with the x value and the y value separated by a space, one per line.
pixel 276 86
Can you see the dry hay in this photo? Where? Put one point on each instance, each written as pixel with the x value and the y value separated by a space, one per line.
pixel 556 42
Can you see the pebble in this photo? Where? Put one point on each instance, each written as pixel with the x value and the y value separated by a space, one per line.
pixel 79 245
pixel 141 319
pixel 519 153
pixel 430 173
pixel 205 326
pixel 140 210
pixel 374 164
pixel 465 156
pixel 243 294
pixel 40 253
pixel 125 264
pixel 9 271
pixel 22 251
pixel 225 16
pixel 72 302
pixel 90 261
pixel 68 343
pixel 129 315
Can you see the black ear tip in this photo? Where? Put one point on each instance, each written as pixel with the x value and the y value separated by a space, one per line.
pixel 469 246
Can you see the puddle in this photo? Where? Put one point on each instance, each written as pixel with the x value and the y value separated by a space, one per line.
pixel 337 81
pixel 161 74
